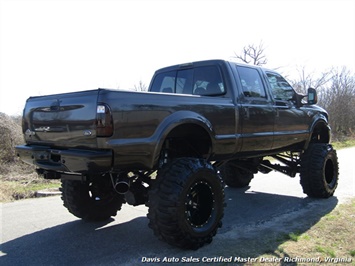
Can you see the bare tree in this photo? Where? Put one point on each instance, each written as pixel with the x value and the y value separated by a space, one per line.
pixel 310 80
pixel 339 100
pixel 336 93
pixel 253 54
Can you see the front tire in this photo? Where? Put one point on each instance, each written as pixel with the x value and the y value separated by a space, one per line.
pixel 186 203
pixel 91 201
pixel 319 170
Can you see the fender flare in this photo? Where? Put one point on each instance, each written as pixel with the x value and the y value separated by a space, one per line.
pixel 319 120
pixel 177 119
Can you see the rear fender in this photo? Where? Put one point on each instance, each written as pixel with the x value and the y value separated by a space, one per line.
pixel 177 119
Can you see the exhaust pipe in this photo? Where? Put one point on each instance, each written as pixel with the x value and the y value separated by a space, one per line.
pixel 134 191
pixel 121 187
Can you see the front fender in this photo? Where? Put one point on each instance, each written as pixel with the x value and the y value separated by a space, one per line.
pixel 320 130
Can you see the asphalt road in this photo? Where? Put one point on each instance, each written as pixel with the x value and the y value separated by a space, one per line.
pixel 42 232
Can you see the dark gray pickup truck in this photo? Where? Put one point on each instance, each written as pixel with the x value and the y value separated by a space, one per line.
pixel 200 126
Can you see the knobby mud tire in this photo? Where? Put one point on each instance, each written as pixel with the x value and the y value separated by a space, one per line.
pixel 186 203
pixel 82 201
pixel 319 170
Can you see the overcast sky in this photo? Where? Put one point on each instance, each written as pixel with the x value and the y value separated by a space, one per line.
pixel 52 46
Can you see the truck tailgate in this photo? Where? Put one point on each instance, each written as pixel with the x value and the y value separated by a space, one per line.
pixel 62 120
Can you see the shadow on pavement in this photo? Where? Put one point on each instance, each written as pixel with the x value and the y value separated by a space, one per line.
pixel 250 217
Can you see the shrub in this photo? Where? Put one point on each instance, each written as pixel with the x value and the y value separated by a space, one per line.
pixel 11 135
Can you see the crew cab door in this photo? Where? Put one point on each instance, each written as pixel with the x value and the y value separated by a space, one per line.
pixel 256 111
pixel 291 124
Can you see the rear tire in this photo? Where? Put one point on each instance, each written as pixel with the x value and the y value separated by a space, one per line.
pixel 319 170
pixel 186 203
pixel 234 176
pixel 90 201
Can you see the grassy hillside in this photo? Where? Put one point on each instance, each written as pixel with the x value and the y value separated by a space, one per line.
pixel 17 179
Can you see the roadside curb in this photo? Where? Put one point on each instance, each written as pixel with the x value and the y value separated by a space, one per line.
pixel 47 193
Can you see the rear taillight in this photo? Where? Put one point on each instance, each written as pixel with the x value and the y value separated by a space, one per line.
pixel 104 123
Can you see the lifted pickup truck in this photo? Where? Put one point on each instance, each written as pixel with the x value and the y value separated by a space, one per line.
pixel 200 126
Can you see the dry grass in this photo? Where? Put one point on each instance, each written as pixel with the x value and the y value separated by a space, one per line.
pixel 331 240
pixel 10 136
pixel 17 179
pixel 20 181
pixel 349 142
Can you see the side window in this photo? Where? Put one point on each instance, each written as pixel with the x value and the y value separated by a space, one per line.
pixel 251 82
pixel 164 82
pixel 281 89
pixel 208 81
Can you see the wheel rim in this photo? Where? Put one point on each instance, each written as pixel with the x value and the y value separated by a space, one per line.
pixel 199 204
pixel 329 173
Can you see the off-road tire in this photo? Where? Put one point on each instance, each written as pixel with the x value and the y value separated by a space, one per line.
pixel 186 203
pixel 86 201
pixel 319 170
pixel 234 176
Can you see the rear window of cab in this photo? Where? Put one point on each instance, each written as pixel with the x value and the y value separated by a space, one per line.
pixel 204 80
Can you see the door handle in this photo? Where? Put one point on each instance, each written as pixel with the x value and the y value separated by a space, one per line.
pixel 246 113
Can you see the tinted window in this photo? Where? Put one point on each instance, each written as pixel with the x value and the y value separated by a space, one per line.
pixel 205 80
pixel 164 82
pixel 281 89
pixel 251 82
pixel 184 81
pixel 208 81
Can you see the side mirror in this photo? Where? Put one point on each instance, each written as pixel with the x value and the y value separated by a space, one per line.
pixel 312 96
